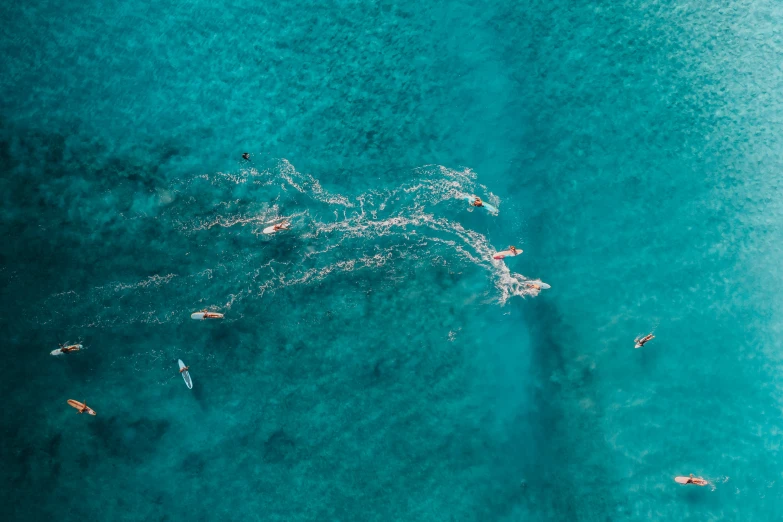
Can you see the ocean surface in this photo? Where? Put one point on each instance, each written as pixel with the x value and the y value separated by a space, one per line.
pixel 374 362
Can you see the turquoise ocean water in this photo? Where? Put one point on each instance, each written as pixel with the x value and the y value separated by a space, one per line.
pixel 374 363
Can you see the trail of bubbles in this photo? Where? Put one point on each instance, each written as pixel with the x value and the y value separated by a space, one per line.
pixel 404 217
pixel 468 244
pixel 307 184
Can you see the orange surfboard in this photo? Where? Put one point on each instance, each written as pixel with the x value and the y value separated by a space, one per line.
pixel 83 408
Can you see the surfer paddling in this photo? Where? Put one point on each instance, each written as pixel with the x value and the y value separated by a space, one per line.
pixel 644 340
pixel 81 407
pixel 511 252
pixel 184 369
pixel 477 202
pixel 205 314
pixel 283 225
pixel 66 349
pixel 696 481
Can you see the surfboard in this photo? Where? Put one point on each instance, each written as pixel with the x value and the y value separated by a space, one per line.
pixel 59 351
pixel 638 344
pixel 507 253
pixel 202 315
pixel 271 230
pixel 697 481
pixel 79 405
pixel 543 285
pixel 186 375
pixel 471 199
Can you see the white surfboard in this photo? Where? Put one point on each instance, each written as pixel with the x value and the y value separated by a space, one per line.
pixel 507 253
pixel 59 351
pixel 484 204
pixel 185 375
pixel 200 316
pixel 271 229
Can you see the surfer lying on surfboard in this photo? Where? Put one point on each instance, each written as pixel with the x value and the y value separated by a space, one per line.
pixel 511 252
pixel 475 201
pixel 204 314
pixel 691 480
pixel 81 407
pixel 283 225
pixel 66 349
pixel 184 369
pixel 641 342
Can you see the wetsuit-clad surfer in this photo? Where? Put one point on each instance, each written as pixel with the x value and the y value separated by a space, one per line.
pixel 246 156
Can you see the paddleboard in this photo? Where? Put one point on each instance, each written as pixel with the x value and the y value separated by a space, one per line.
pixel 543 285
pixel 507 253
pixel 79 405
pixel 696 481
pixel 471 199
pixel 186 375
pixel 271 230
pixel 59 351
pixel 202 315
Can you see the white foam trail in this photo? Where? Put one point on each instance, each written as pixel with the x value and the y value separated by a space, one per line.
pixel 307 184
pixel 407 217
pixel 470 245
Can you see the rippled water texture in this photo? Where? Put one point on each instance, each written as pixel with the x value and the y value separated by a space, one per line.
pixel 375 362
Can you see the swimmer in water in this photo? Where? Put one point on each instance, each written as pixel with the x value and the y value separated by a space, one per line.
pixel 246 156
pixel 284 225
pixel 641 342
pixel 477 202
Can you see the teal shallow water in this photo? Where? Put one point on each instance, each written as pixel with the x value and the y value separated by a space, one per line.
pixel 374 364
